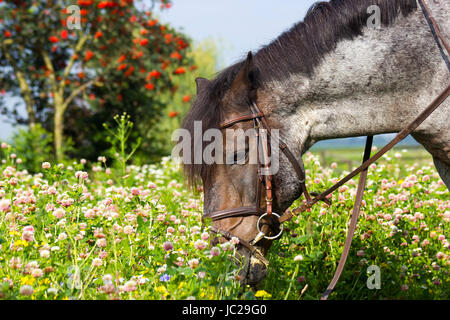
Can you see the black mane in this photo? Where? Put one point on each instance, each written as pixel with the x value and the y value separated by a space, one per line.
pixel 298 50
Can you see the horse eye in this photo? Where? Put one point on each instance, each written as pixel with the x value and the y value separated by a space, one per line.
pixel 238 157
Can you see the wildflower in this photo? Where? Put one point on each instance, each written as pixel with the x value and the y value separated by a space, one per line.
pixel 59 213
pixel 15 263
pixel 165 278
pixel 97 262
pixel 5 205
pixel 167 246
pixel 89 214
pixel 170 230
pixel 226 246
pixel 101 242
pixel 82 226
pixel 129 286
pixel 162 290
pixel 128 229
pixel 107 279
pixel 215 251
pixel 234 240
pixel 26 290
pixel 37 273
pixel 44 253
pixel 360 253
pixel 62 236
pixel 52 291
pixel 262 294
pixel 205 236
pixel 195 229
pixel 440 255
pixel 46 165
pixel 193 263
pixel 404 287
pixel 298 258
pixel 200 245
pixel 81 175
pixel 135 191
pixel 28 233
pixel 162 269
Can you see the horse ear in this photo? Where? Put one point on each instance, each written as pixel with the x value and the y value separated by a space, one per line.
pixel 201 83
pixel 245 81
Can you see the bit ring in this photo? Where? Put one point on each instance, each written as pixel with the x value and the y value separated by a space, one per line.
pixel 266 237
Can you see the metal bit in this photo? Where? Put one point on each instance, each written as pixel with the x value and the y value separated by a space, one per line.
pixel 258 237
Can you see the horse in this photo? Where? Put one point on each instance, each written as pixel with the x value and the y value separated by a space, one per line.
pixel 332 75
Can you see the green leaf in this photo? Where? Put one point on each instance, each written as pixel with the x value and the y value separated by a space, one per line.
pixel 301 239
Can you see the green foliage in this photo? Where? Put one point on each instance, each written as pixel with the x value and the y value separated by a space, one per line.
pixel 120 59
pixel 34 146
pixel 206 58
pixel 118 138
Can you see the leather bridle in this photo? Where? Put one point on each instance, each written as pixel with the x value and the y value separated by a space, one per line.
pixel 263 132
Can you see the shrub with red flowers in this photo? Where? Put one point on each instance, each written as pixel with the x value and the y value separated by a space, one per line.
pixel 69 59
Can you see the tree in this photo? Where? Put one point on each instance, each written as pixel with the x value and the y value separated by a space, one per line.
pixel 60 56
pixel 206 59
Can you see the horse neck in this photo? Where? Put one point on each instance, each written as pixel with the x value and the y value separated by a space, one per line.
pixel 370 85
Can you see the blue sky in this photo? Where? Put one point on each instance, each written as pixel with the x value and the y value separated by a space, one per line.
pixel 237 26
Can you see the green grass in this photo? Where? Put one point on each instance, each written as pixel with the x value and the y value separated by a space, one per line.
pixel 352 157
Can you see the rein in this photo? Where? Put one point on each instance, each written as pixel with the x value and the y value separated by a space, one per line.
pixel 263 132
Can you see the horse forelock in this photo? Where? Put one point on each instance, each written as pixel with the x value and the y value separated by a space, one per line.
pixel 208 109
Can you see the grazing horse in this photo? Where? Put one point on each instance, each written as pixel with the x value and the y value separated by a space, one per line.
pixel 334 75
